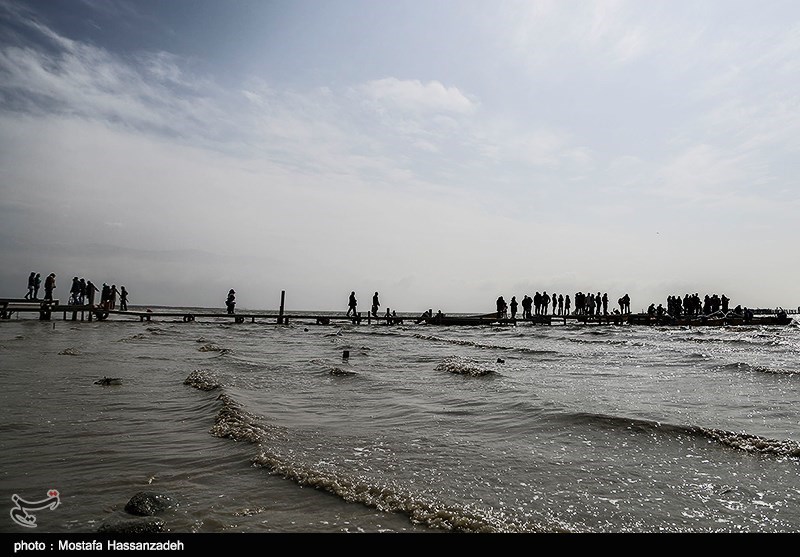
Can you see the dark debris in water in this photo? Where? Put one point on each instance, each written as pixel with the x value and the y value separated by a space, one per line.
pixel 105 381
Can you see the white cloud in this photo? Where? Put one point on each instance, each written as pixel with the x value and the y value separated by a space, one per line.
pixel 415 96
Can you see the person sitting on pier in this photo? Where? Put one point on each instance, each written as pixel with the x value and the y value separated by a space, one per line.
pixel 425 315
pixel 230 303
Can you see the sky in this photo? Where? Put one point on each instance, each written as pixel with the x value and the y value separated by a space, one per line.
pixel 442 153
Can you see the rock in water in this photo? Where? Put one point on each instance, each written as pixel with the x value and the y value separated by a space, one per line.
pixel 148 503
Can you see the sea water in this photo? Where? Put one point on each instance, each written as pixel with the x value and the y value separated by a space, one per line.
pixel 261 427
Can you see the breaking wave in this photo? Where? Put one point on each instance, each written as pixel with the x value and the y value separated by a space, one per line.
pixel 741 441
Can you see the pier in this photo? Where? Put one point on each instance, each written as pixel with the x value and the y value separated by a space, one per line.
pixel 47 309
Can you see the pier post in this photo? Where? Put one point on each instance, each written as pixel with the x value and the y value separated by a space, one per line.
pixel 280 313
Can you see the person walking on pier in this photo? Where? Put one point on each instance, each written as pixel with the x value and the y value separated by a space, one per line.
pixel 352 304
pixel 230 303
pixel 375 305
pixel 49 286
pixel 36 286
pixel 123 299
pixel 31 286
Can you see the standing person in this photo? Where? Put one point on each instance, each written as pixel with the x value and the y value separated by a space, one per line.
pixel 527 303
pixel 75 290
pixel 566 305
pixel 605 303
pixel 561 304
pixel 375 305
pixel 230 303
pixel 49 286
pixel 105 296
pixel 31 286
pixel 501 308
pixel 555 302
pixel 36 285
pixel 90 290
pixel 113 296
pixel 352 304
pixel 514 306
pixel 82 291
pixel 123 299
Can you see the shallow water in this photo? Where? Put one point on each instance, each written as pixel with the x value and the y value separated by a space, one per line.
pixel 581 428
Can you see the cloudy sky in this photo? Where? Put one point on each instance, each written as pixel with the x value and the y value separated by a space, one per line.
pixel 440 152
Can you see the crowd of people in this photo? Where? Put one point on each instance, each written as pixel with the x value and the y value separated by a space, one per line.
pixel 691 305
pixel 560 304
pixel 81 292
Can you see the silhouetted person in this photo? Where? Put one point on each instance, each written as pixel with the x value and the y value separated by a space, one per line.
pixel 82 291
pixel 375 305
pixel 112 299
pixel 90 290
pixel 513 306
pixel 527 303
pixel 49 286
pixel 352 303
pixel 502 308
pixel 566 304
pixel 75 290
pixel 31 286
pixel 230 303
pixel 105 296
pixel 123 299
pixel 36 286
